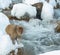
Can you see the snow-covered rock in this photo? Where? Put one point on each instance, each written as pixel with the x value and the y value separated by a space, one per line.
pixel 4 21
pixel 21 9
pixel 6 45
pixel 56 52
pixel 5 4
pixel 53 3
pixel 47 11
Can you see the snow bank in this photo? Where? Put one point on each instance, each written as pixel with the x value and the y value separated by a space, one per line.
pixel 21 9
pixel 47 11
pixel 6 45
pixel 5 4
pixel 4 21
pixel 56 52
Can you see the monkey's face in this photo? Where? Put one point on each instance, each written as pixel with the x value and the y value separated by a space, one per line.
pixel 19 30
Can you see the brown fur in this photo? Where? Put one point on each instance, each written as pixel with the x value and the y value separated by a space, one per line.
pixel 14 31
pixel 20 52
pixel 38 9
pixel 38 5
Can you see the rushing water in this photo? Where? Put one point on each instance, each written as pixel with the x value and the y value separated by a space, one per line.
pixel 39 39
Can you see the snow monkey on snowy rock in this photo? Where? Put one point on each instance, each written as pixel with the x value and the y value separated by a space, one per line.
pixel 14 31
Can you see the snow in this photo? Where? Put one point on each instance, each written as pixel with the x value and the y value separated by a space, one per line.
pixel 4 21
pixel 6 45
pixel 53 3
pixel 5 4
pixel 51 53
pixel 20 9
pixel 47 11
pixel 31 1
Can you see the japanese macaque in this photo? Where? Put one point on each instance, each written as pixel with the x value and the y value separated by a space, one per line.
pixel 38 9
pixel 14 31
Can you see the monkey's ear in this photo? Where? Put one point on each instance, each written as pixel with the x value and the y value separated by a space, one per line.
pixel 19 30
